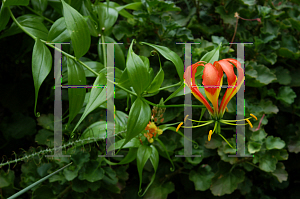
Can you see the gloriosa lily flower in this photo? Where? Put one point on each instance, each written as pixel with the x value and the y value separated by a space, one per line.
pixel 212 81
pixel 152 131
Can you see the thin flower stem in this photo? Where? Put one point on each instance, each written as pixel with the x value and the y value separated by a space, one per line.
pixel 209 122
pixel 226 141
pixel 103 51
pixel 35 12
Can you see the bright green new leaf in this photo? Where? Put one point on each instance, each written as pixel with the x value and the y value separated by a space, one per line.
pixel 41 66
pixel 76 77
pixel 78 30
pixel 107 17
pixel 58 32
pixel 157 81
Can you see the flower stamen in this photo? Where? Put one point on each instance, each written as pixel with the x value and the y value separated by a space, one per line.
pixel 249 123
pixel 253 116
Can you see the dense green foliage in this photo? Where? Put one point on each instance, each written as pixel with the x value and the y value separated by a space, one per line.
pixel 149 68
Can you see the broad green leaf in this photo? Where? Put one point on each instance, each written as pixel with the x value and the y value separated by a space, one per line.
pixel 76 77
pixel 226 181
pixel 16 3
pixel 267 162
pixel 143 154
pixel 264 75
pixel 280 173
pixel 32 23
pixel 245 186
pixel 131 6
pixel 176 93
pixel 107 17
pixel 202 178
pixel 58 32
pixel 4 16
pixel 97 97
pixel 118 53
pixel 133 143
pixel 286 94
pixel 157 81
pixel 39 5
pixel 294 144
pixel 131 155
pixel 139 117
pixel 41 66
pixel 121 11
pixel 171 56
pixel 137 72
pixel 274 143
pixel 258 135
pixel 43 169
pixel 78 30
pixel 91 171
pixel 160 191
pixel 253 147
pixel 295 23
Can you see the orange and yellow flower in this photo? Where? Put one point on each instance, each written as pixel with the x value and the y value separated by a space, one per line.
pixel 152 131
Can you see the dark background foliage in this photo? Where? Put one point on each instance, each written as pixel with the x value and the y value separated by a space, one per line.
pixel 272 89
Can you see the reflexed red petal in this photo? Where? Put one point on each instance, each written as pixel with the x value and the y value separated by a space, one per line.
pixel 211 78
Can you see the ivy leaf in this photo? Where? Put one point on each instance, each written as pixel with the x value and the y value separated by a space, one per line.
pixel 274 143
pixel 286 94
pixel 202 178
pixel 267 162
pixel 280 173
pixel 226 181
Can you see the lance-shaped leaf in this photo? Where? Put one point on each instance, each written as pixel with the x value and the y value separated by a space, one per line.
pixel 97 97
pixel 41 66
pixel 138 118
pixel 16 3
pixel 157 81
pixel 4 16
pixel 78 30
pixel 39 5
pixel 76 77
pixel 58 31
pixel 171 56
pixel 87 10
pixel 31 23
pixel 137 72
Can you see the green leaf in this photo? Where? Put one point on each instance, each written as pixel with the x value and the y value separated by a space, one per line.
pixel 94 65
pixel 32 23
pixel 295 23
pixel 253 147
pixel 283 75
pixel 171 56
pixel 91 171
pixel 202 178
pixel 41 66
pixel 87 10
pixel 78 30
pixel 45 137
pixel 274 143
pixel 118 52
pixel 267 162
pixel 107 17
pixel 39 5
pixel 139 117
pixel 137 72
pixel 245 186
pixel 43 169
pixel 4 16
pixel 286 94
pixel 226 181
pixel 76 77
pixel 58 32
pixel 16 3
pixel 143 154
pixel 294 144
pixel 97 98
pixel 160 191
pixel 280 173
